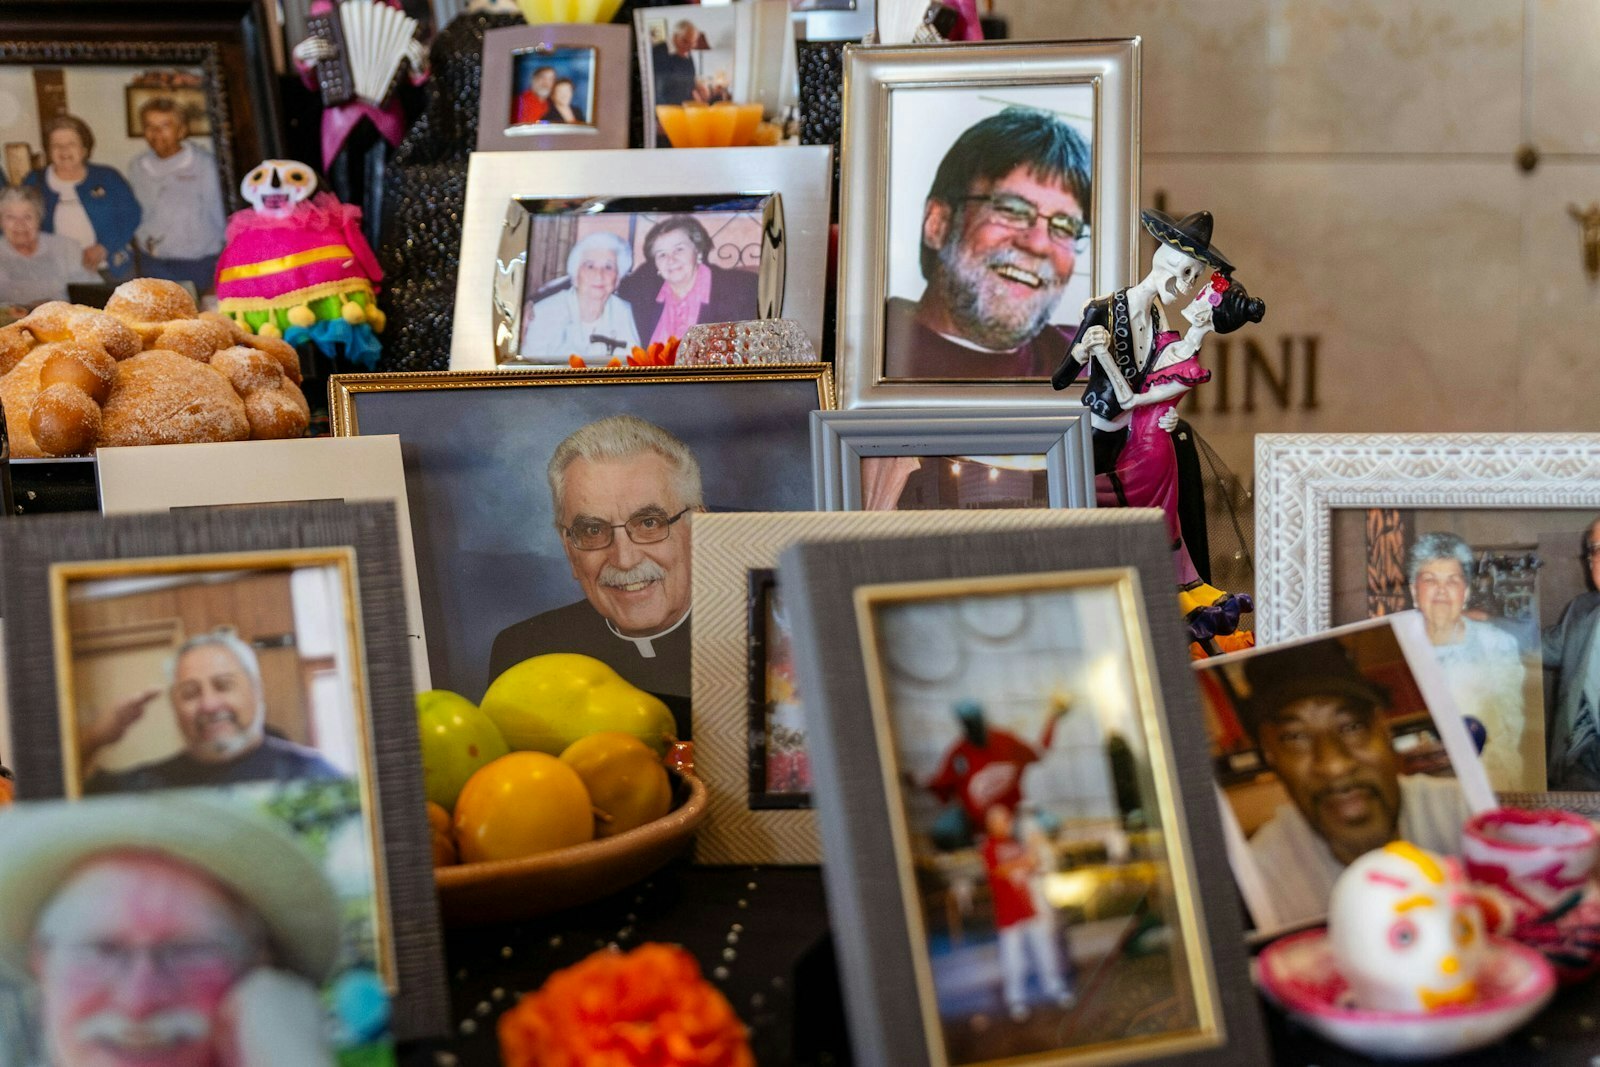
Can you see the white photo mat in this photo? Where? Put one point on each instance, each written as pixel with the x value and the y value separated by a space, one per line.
pixel 349 469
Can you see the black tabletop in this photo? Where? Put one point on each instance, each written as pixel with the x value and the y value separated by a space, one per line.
pixel 761 936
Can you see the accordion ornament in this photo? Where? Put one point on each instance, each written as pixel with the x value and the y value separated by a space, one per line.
pixel 370 40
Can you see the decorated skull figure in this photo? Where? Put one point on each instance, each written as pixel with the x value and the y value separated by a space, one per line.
pixel 275 186
pixel 1405 931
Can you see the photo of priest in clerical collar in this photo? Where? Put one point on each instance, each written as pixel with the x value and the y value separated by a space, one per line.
pixel 620 489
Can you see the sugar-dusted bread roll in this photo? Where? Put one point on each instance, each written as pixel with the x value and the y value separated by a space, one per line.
pixel 83 366
pixel 161 398
pixel 278 349
pixel 274 405
pixel 15 342
pixel 112 334
pixel 65 420
pixel 18 390
pixel 237 332
pixel 195 338
pixel 148 304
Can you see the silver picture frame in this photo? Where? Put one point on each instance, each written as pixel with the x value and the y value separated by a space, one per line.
pixel 607 125
pixel 840 440
pixel 873 76
pixel 848 21
pixel 1301 479
pixel 489 284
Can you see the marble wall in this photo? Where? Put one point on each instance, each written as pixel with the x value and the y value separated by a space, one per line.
pixel 1361 159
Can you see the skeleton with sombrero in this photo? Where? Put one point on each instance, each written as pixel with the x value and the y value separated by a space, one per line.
pixel 1122 339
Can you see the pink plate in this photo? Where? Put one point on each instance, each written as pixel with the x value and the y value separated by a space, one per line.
pixel 1297 972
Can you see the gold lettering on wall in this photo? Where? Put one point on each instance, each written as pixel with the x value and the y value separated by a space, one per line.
pixel 1245 374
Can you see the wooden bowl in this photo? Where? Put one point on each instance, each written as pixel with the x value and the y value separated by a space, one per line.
pixel 500 890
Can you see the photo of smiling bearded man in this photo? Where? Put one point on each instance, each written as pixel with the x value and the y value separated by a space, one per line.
pixel 1002 227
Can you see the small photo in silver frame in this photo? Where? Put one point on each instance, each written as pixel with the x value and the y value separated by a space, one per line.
pixel 506 197
pixel 921 459
pixel 989 191
pixel 560 86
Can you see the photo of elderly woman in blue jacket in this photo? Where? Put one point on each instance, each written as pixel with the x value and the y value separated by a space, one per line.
pixel 86 202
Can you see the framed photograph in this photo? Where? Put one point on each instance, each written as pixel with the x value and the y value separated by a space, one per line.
pixel 957 458
pixel 598 274
pixel 1010 785
pixel 247 473
pixel 603 250
pixel 749 723
pixel 572 532
pixel 558 86
pixel 151 120
pixel 1486 534
pixel 962 272
pixel 695 54
pixel 835 20
pixel 267 899
pixel 192 650
pixel 1327 747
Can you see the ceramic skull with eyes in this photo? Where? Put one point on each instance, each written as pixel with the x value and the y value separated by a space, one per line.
pixel 275 186
pixel 1406 931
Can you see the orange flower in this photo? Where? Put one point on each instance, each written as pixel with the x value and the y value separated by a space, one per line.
pixel 646 1008
pixel 657 355
pixel 576 362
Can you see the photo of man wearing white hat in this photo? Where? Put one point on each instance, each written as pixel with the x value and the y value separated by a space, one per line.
pixel 165 928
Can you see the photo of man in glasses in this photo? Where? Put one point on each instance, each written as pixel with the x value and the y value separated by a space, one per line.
pixel 1002 228
pixel 620 488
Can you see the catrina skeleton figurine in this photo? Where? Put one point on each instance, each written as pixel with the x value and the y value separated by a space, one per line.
pixel 296 266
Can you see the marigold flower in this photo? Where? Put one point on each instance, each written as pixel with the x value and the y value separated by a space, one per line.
pixel 657 355
pixel 645 1008
pixel 576 362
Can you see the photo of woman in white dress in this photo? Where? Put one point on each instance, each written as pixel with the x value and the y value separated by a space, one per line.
pixel 580 314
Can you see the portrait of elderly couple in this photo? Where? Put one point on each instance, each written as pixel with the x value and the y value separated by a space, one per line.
pixel 1507 596
pixel 988 232
pixel 1327 748
pixel 91 202
pixel 599 285
pixel 193 927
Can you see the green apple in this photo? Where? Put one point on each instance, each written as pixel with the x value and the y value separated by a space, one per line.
pixel 545 703
pixel 457 739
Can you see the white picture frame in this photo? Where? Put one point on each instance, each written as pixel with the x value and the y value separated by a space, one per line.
pixel 1302 478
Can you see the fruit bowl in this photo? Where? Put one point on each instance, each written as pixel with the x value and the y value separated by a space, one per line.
pixel 500 890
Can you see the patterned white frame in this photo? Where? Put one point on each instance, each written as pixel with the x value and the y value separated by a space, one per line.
pixel 1302 478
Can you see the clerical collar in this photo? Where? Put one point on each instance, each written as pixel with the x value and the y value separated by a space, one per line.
pixel 644 644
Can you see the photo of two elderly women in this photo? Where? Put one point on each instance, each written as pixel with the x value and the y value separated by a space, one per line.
pixel 600 285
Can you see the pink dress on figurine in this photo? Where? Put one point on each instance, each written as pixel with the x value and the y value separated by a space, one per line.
pixel 1148 465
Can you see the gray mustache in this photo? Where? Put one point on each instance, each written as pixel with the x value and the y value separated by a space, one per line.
pixel 647 571
pixel 162 1028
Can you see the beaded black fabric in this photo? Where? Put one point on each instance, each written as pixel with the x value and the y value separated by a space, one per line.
pixel 822 99
pixel 424 198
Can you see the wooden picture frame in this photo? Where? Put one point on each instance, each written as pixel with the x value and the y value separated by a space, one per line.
pixel 490 558
pixel 41 555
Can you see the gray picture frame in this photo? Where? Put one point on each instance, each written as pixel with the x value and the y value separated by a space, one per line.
pixel 27 551
pixel 850 21
pixel 868 890
pixel 613 97
pixel 841 439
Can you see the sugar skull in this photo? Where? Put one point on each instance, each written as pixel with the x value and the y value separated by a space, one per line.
pixel 275 186
pixel 1405 931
